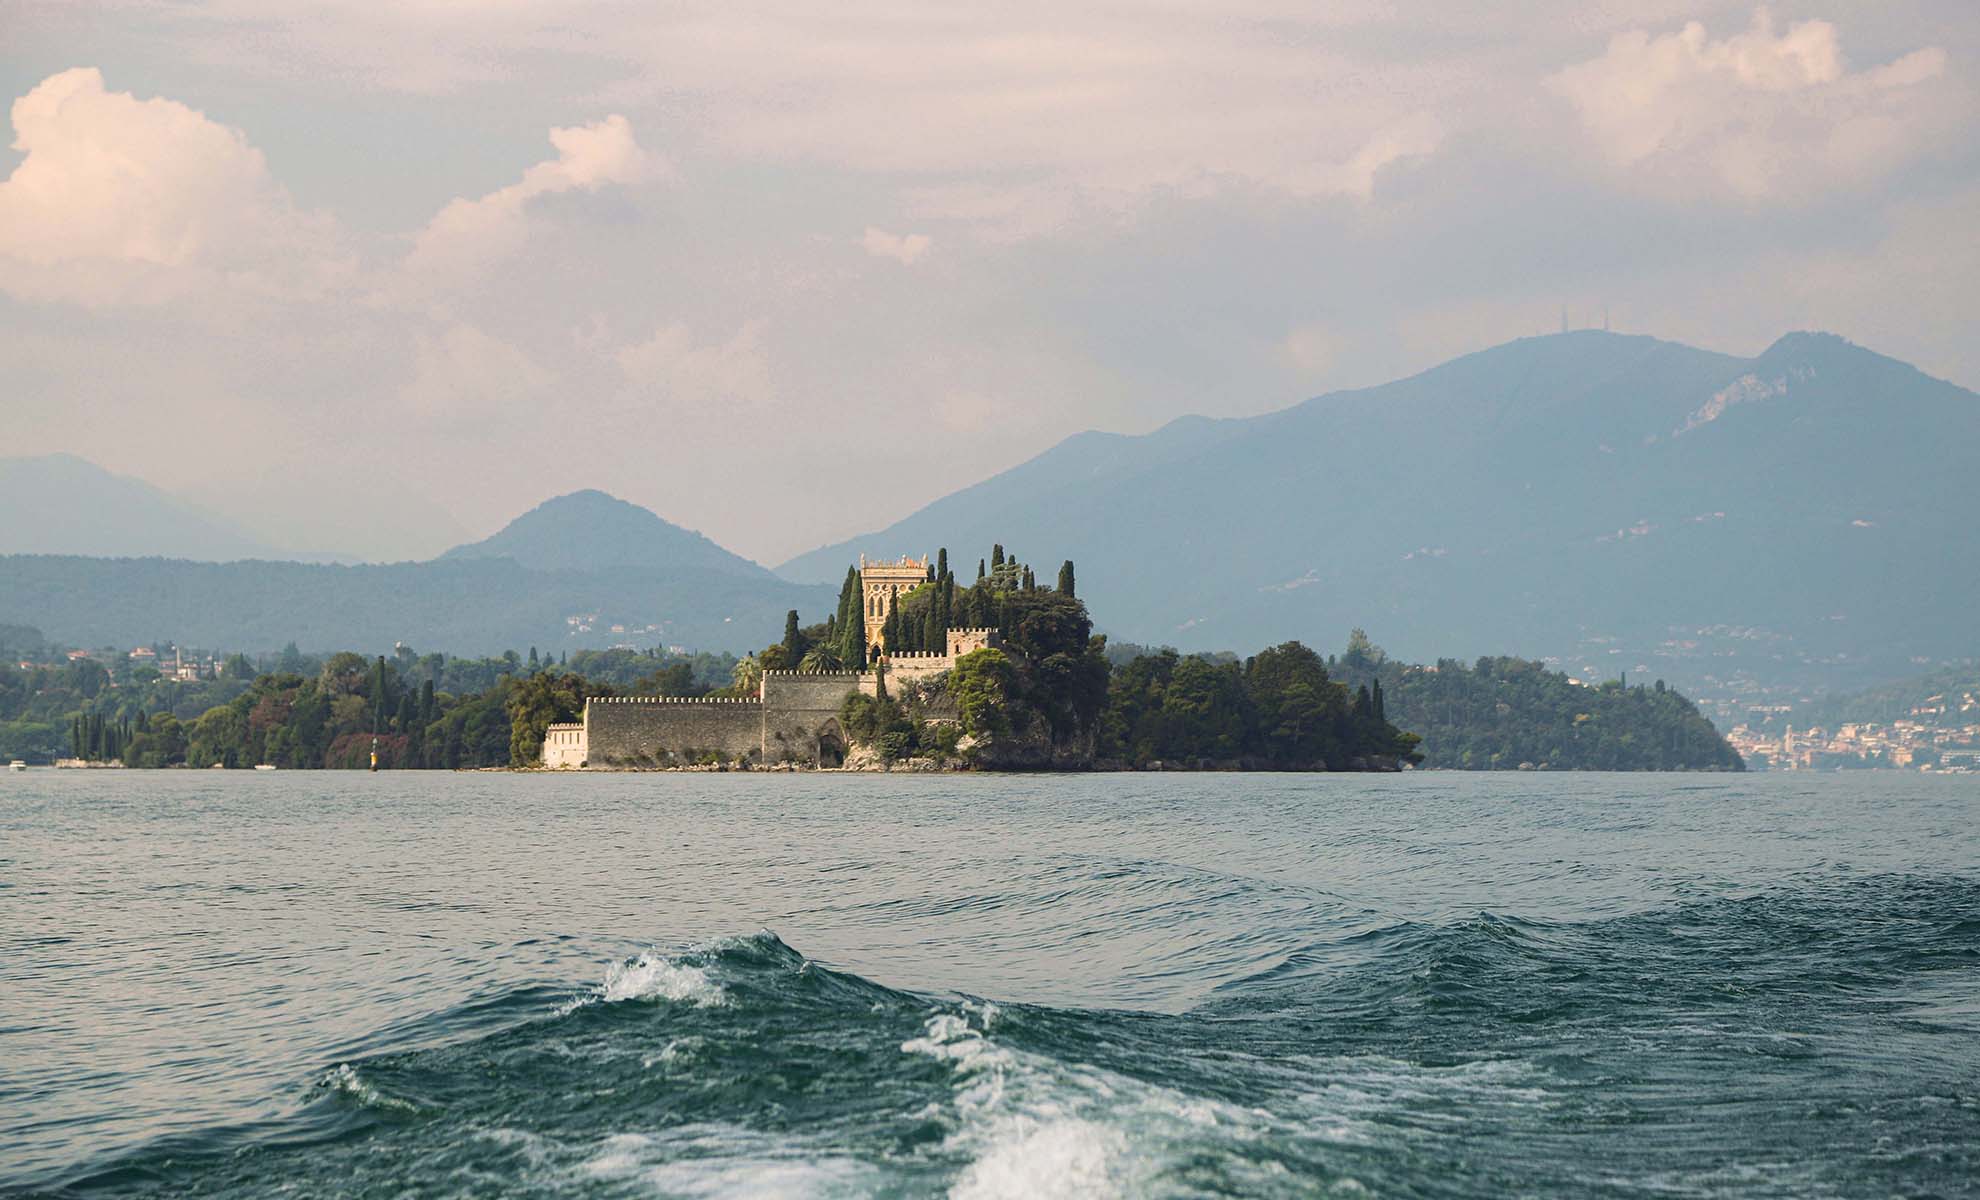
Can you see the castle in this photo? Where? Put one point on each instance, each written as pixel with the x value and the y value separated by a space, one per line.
pixel 794 716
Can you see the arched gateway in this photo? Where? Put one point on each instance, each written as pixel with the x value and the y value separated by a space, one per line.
pixel 831 744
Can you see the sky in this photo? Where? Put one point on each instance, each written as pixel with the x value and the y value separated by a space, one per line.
pixel 375 278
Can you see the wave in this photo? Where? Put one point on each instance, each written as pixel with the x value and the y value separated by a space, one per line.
pixel 1645 1054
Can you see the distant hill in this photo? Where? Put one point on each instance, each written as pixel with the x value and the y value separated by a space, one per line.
pixel 461 606
pixel 1605 499
pixel 1504 713
pixel 579 571
pixel 61 504
pixel 591 531
pixel 1946 698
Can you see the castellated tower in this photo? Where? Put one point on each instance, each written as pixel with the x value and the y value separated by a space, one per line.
pixel 882 583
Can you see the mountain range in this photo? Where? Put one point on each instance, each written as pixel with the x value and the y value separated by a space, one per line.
pixel 577 571
pixel 1611 502
pixel 1615 502
pixel 61 504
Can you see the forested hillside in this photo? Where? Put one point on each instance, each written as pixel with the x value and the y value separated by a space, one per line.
pixel 1500 713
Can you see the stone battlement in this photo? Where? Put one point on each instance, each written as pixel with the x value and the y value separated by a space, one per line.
pixel 894 655
pixel 659 700
pixel 817 674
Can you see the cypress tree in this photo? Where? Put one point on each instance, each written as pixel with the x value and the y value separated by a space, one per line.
pixel 1066 577
pixel 980 572
pixel 379 700
pixel 997 555
pixel 941 562
pixel 1375 693
pixel 852 620
pixel 933 636
pixel 849 597
pixel 793 641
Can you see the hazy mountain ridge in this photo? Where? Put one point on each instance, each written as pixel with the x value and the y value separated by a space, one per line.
pixel 585 570
pixel 1612 502
pixel 62 504
pixel 592 531
pixel 458 606
pixel 1530 498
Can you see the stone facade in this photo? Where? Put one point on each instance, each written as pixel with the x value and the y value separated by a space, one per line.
pixel 626 731
pixel 801 716
pixel 969 641
pixel 883 583
pixel 564 746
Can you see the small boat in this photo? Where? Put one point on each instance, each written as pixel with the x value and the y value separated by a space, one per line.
pixel 264 766
pixel 18 764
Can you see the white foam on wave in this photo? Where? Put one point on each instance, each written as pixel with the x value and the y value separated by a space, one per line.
pixel 1036 1127
pixel 652 977
pixel 724 1162
pixel 346 1080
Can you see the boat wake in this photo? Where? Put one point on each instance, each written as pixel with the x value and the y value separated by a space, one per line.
pixel 1491 1054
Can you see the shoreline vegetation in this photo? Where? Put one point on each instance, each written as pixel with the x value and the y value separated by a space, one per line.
pixel 1050 696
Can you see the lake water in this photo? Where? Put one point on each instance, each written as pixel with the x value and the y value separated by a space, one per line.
pixel 314 984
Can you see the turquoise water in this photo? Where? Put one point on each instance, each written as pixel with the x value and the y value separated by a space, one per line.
pixel 241 984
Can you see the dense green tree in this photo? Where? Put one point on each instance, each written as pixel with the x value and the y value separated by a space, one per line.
pixel 984 683
pixel 161 743
pixel 537 702
pixel 1066 577
pixel 1303 717
pixel 748 679
pixel 1205 713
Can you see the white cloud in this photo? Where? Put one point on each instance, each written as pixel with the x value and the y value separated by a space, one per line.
pixel 902 248
pixel 468 234
pixel 1310 350
pixel 464 378
pixel 1759 113
pixel 691 379
pixel 119 200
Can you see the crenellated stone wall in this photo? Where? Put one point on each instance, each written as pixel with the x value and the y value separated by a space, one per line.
pixel 623 731
pixel 969 641
pixel 801 715
pixel 916 666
